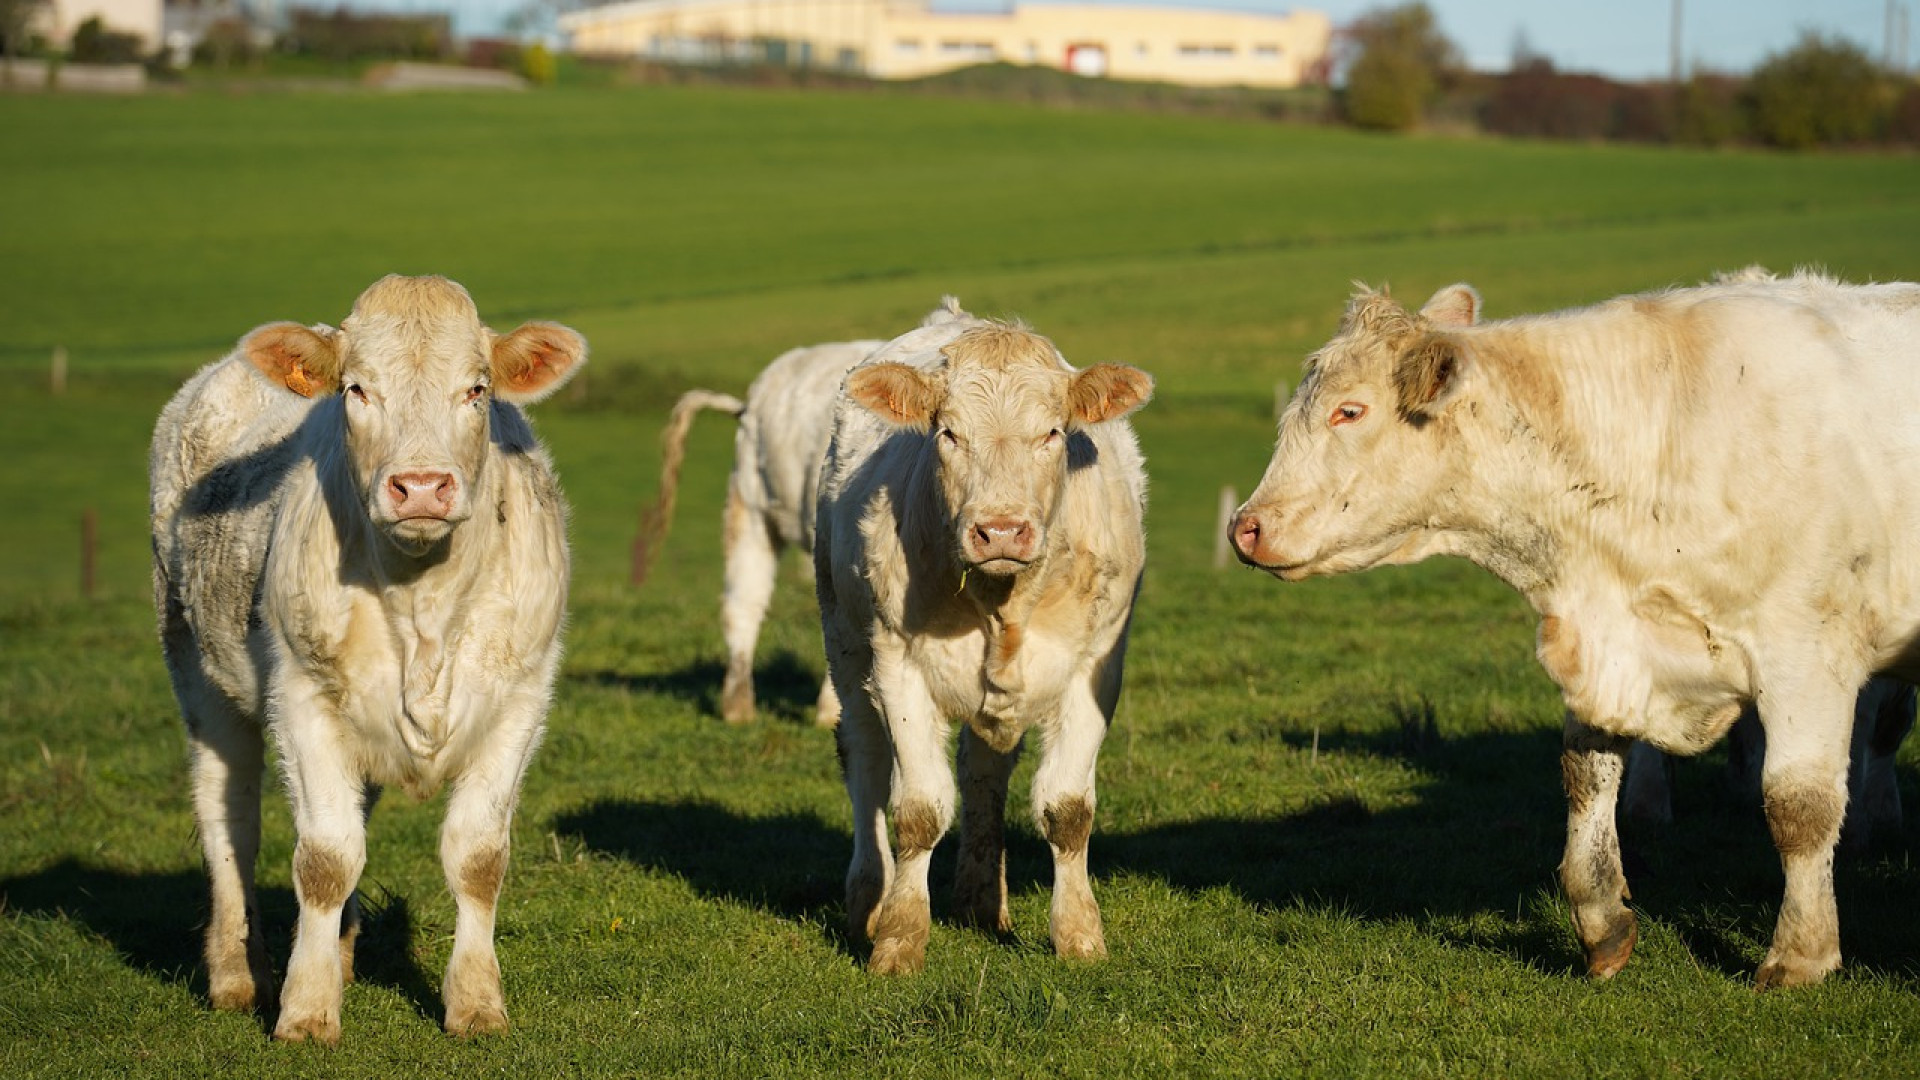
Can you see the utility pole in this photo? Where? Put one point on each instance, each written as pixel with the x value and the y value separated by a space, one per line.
pixel 1886 51
pixel 1674 62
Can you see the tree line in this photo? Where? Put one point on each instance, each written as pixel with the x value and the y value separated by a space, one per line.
pixel 1402 73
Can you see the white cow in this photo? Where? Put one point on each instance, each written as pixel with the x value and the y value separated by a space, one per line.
pixel 980 544
pixel 360 547
pixel 785 424
pixel 1709 496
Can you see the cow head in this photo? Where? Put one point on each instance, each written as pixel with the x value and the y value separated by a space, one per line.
pixel 1361 463
pixel 418 375
pixel 998 412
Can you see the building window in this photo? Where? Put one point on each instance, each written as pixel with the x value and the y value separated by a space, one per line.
pixel 1266 53
pixel 1206 52
pixel 907 46
pixel 1140 48
pixel 969 50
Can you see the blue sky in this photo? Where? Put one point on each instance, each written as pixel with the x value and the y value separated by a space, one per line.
pixel 1627 39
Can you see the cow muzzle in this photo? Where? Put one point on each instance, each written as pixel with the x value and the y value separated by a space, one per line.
pixel 1000 544
pixel 421 506
pixel 1254 541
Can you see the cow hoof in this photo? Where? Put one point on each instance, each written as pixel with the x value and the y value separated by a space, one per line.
pixel 1606 957
pixel 239 980
pixel 319 1028
pixel 894 956
pixel 991 917
pixel 736 702
pixel 1776 973
pixel 235 996
pixel 488 1020
pixel 1081 947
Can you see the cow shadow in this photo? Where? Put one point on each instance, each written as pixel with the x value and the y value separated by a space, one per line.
pixel 1482 836
pixel 786 864
pixel 156 922
pixel 785 688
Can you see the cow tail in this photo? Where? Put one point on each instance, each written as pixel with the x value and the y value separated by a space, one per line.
pixel 656 519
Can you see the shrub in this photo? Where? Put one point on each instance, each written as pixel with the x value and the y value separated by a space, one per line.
pixel 1400 63
pixel 1820 92
pixel 537 65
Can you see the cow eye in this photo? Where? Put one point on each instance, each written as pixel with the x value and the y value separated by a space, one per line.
pixel 1347 412
pixel 948 438
pixel 476 392
pixel 1051 439
pixel 357 394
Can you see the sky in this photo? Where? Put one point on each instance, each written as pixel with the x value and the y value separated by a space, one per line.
pixel 1624 39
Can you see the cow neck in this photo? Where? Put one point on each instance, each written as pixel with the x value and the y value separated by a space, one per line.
pixel 1005 605
pixel 1496 517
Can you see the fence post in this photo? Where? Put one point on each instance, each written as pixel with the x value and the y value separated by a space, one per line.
pixel 1222 543
pixel 1282 393
pixel 59 376
pixel 89 541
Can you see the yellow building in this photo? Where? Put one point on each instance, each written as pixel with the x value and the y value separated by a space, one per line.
pixel 905 39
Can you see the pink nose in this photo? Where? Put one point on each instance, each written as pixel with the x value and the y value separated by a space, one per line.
pixel 421 494
pixel 1002 538
pixel 1245 531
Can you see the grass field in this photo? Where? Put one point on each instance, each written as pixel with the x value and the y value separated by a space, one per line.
pixel 1330 813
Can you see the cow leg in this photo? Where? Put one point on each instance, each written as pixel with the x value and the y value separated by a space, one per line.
pixel 351 915
pixel 1804 785
pixel 1591 764
pixel 1883 716
pixel 753 561
pixel 1746 749
pixel 980 881
pixel 922 809
pixel 329 854
pixel 228 753
pixel 1063 801
pixel 1646 793
pixel 866 765
pixel 826 708
pixel 473 855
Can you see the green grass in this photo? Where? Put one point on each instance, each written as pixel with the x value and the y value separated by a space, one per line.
pixel 1330 813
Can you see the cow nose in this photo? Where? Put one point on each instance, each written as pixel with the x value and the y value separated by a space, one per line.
pixel 1246 537
pixel 1003 538
pixel 421 494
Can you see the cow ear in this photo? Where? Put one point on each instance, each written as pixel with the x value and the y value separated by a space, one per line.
pixel 1454 307
pixel 1107 392
pixel 1428 375
pixel 535 360
pixel 896 393
pixel 303 359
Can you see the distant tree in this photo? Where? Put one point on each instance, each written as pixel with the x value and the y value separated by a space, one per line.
pixel 1820 92
pixel 1905 125
pixel 1525 55
pixel 93 43
pixel 1707 109
pixel 1400 62
pixel 16 25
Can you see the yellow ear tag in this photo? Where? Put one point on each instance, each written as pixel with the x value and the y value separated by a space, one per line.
pixel 963 581
pixel 299 381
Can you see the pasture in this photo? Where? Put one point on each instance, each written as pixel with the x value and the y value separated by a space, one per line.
pixel 1329 815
